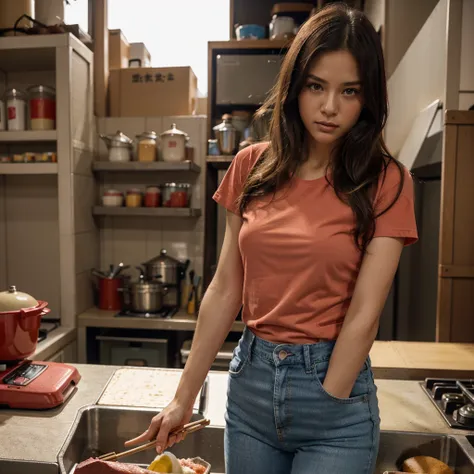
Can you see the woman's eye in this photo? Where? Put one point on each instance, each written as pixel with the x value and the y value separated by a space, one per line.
pixel 351 91
pixel 314 87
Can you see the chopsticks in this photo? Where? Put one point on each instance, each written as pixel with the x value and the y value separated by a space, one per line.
pixel 186 429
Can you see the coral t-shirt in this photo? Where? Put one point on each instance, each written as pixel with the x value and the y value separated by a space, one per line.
pixel 299 257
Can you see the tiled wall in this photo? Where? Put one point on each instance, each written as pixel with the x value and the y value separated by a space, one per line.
pixel 133 240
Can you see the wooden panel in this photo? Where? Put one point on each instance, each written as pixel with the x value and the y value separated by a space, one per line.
pixel 456 271
pixel 459 117
pixel 101 57
pixel 463 251
pixel 443 314
pixel 462 307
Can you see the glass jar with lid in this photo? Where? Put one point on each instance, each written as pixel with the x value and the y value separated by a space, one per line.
pixel 147 146
pixel 16 109
pixel 42 107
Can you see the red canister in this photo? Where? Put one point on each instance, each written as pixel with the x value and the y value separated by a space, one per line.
pixel 110 296
pixel 152 196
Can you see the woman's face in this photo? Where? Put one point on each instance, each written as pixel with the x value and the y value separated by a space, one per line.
pixel 331 99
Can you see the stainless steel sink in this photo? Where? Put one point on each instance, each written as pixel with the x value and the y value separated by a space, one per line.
pixel 396 446
pixel 15 466
pixel 101 429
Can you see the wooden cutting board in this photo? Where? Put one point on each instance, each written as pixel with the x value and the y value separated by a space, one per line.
pixel 145 388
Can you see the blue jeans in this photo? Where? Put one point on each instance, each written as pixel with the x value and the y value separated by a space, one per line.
pixel 280 419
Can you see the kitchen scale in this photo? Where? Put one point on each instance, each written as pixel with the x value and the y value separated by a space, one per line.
pixel 36 385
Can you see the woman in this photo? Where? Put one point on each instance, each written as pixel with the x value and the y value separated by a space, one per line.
pixel 316 222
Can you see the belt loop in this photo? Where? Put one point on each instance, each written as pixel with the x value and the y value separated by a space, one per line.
pixel 307 359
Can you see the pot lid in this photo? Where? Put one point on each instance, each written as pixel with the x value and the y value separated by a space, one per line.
pixel 151 134
pixel 226 124
pixel 118 139
pixel 174 131
pixel 13 300
pixel 165 259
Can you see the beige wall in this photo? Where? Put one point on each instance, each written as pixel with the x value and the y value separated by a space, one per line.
pixel 466 82
pixel 419 79
pixel 405 18
pixel 133 240
pixel 375 11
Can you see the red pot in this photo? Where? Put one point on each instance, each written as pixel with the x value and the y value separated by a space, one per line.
pixel 20 318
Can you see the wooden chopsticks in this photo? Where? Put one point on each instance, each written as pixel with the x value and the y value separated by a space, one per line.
pixel 186 429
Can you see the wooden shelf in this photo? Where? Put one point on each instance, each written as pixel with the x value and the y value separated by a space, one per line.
pixel 220 162
pixel 250 44
pixel 111 166
pixel 12 136
pixel 146 211
pixel 28 168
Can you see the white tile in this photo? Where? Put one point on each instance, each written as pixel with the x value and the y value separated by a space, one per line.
pixel 84 200
pixel 129 237
pixel 87 251
pixel 84 292
pixel 179 238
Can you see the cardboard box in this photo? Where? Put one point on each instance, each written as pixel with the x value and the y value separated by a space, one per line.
pixel 139 55
pixel 148 92
pixel 119 50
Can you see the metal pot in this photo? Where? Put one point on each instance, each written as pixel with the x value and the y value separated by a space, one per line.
pixel 170 270
pixel 20 318
pixel 119 146
pixel 227 135
pixel 173 144
pixel 147 296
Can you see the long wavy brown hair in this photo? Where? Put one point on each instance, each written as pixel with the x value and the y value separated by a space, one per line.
pixel 361 155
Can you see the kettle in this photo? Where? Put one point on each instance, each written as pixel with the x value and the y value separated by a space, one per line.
pixel 227 135
pixel 119 146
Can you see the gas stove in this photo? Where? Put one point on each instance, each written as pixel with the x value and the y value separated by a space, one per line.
pixel 454 399
pixel 165 312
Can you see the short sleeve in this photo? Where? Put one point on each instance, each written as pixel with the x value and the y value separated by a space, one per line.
pixel 399 220
pixel 233 182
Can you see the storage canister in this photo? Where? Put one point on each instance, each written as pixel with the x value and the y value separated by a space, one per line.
pixel 16 109
pixel 42 106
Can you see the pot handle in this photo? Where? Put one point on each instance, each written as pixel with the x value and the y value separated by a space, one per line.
pixel 40 311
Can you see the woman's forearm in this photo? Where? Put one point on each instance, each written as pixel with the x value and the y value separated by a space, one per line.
pixel 350 352
pixel 217 313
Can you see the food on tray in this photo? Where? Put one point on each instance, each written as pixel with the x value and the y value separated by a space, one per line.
pixel 169 463
pixel 96 466
pixel 426 465
pixel 164 463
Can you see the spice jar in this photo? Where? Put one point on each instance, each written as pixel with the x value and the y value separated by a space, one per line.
pixel 147 147
pixel 134 198
pixel 112 198
pixel 152 196
pixel 42 102
pixel 176 194
pixel 16 109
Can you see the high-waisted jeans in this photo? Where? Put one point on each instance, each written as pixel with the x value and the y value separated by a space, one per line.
pixel 281 420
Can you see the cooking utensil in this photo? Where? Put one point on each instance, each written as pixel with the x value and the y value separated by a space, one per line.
pixel 173 144
pixel 20 318
pixel 227 135
pixel 119 146
pixel 186 429
pixel 146 296
pixel 168 267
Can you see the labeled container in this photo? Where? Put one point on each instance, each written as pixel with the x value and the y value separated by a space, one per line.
pixel 134 198
pixel 147 149
pixel 176 194
pixel 213 147
pixel 112 198
pixel 3 117
pixel 16 109
pixel 42 107
pixel 173 144
pixel 152 196
pixel 119 146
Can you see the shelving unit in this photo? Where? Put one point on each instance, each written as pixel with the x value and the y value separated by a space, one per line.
pixel 146 211
pixel 221 162
pixel 11 136
pixel 110 166
pixel 44 193
pixel 214 164
pixel 28 168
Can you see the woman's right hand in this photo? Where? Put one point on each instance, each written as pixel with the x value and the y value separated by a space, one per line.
pixel 173 416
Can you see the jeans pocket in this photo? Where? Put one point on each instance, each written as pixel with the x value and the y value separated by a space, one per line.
pixel 239 361
pixel 360 391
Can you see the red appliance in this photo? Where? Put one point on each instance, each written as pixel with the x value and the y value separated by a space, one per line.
pixel 26 384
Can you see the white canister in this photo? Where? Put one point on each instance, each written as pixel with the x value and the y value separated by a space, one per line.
pixel 49 12
pixel 3 120
pixel 282 27
pixel 173 144
pixel 16 109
